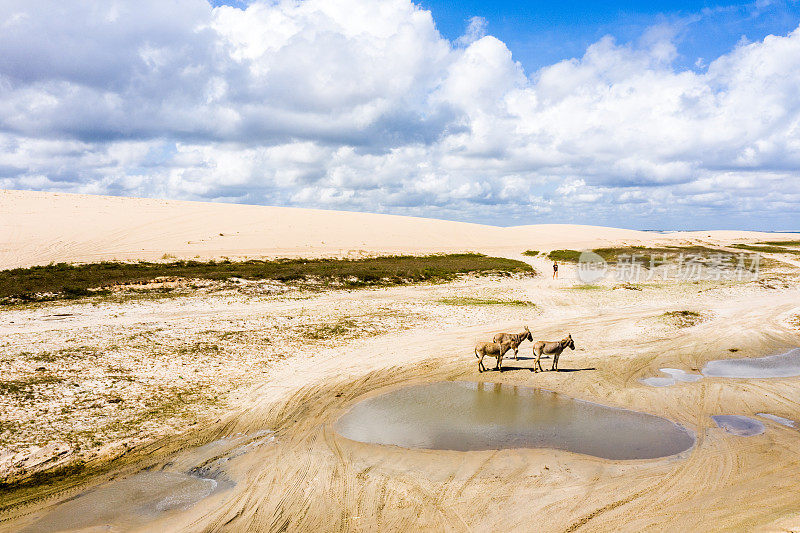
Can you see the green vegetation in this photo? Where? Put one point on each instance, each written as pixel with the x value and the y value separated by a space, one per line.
pixel 531 253
pixel 466 300
pixel 766 249
pixel 781 243
pixel 337 329
pixel 683 319
pixel 65 281
pixel 26 387
pixel 565 255
pixel 584 287
pixel 658 254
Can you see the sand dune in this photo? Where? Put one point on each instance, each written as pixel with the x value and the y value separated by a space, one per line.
pixel 40 227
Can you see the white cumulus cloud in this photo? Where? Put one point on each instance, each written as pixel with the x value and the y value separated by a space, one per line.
pixel 358 104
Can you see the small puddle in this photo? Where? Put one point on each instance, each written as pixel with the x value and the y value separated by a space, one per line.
pixel 772 366
pixel 743 426
pixel 130 502
pixel 466 416
pixel 778 419
pixel 675 375
pixel 783 365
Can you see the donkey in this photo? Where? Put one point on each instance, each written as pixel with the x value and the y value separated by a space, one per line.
pixel 492 349
pixel 551 348
pixel 514 339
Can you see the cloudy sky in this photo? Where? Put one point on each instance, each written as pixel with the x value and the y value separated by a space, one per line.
pixel 674 116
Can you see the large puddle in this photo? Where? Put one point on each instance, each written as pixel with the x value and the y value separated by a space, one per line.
pixel 466 416
pixel 772 366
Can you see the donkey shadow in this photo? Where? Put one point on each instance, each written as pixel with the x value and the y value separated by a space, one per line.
pixel 567 369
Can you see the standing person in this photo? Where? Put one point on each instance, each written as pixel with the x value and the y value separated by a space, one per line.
pixel 555 269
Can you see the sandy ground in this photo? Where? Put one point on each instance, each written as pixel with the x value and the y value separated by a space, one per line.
pixel 39 228
pixel 308 478
pixel 243 383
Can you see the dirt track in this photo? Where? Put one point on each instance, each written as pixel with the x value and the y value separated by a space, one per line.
pixel 311 479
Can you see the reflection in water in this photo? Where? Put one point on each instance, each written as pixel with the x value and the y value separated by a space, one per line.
pixel 481 416
pixel 773 366
pixel 742 426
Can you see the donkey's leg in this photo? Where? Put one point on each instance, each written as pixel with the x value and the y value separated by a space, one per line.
pixel 516 351
pixel 536 362
pixel 499 363
pixel 480 364
pixel 555 361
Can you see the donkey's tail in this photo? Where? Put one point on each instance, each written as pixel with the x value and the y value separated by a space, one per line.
pixel 476 353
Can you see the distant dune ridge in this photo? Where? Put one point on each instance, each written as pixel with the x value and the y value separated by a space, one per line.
pixel 42 227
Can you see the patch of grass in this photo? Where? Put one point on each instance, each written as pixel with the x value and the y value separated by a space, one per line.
pixel 198 348
pixel 766 249
pixel 531 253
pixel 466 300
pixel 781 243
pixel 77 352
pixel 584 287
pixel 683 319
pixel 565 255
pixel 63 281
pixel 658 254
pixel 337 329
pixel 26 387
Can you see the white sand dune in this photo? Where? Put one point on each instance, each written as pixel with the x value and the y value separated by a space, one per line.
pixel 41 227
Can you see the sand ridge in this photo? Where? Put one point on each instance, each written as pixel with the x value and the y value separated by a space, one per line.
pixel 41 227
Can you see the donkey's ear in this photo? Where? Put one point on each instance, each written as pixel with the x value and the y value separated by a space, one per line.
pixel 526 328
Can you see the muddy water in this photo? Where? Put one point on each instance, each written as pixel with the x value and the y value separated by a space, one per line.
pixel 467 416
pixel 772 366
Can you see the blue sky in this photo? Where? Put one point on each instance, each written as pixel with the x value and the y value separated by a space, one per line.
pixel 644 115
pixel 541 33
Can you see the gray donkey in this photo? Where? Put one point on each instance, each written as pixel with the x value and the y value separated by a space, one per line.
pixel 551 348
pixel 492 349
pixel 514 339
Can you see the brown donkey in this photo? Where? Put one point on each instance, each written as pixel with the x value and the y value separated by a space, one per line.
pixel 492 349
pixel 550 348
pixel 514 339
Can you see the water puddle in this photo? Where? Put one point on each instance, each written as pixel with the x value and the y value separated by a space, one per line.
pixel 675 375
pixel 783 365
pixel 129 502
pixel 467 416
pixel 772 366
pixel 743 426
pixel 778 419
